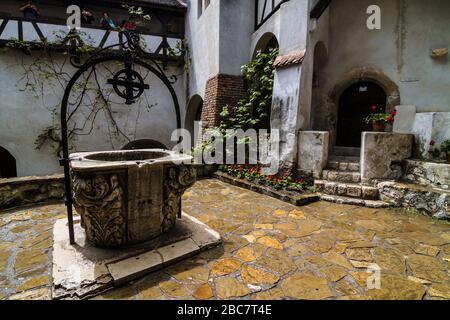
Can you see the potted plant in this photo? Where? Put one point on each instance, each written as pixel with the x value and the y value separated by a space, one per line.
pixel 445 149
pixel 379 119
pixel 434 152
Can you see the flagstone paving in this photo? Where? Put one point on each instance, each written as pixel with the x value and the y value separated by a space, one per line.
pixel 271 250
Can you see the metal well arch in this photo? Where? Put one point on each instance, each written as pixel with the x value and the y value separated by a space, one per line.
pixel 130 54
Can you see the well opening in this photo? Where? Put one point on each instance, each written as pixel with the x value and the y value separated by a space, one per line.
pixel 135 155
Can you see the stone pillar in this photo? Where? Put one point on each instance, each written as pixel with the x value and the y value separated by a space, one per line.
pixel 285 107
pixel 221 90
pixel 312 153
pixel 382 154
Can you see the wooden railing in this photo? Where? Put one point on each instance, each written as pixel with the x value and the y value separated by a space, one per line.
pixel 39 25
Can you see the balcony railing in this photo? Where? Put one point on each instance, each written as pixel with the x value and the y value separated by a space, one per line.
pixel 50 30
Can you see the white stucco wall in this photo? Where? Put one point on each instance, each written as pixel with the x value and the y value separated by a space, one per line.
pixel 23 117
pixel 219 40
pixel 202 34
pixel 401 49
pixel 287 25
pixel 236 27
pixel 410 30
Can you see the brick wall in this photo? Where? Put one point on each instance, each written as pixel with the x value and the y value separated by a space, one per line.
pixel 221 90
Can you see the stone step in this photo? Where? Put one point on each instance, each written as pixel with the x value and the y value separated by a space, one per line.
pixel 345 159
pixel 354 201
pixel 347 151
pixel 344 163
pixel 341 176
pixel 352 190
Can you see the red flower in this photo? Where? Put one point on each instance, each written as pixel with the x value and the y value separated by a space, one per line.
pixel 394 113
pixel 432 143
pixel 390 119
pixel 374 108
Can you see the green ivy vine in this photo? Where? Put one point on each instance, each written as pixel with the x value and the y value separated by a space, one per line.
pixel 252 110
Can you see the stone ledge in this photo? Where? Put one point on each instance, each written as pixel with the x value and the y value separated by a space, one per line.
pixel 427 173
pixel 31 179
pixel 300 200
pixel 22 191
pixel 433 202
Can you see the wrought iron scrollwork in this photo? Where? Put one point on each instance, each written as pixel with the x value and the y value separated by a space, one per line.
pixel 178 181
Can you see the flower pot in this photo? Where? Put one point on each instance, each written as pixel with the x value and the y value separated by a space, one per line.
pixel 448 157
pixel 379 126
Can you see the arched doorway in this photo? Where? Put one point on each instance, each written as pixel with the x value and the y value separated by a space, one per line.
pixel 144 144
pixel 193 114
pixel 355 104
pixel 265 43
pixel 318 83
pixel 8 167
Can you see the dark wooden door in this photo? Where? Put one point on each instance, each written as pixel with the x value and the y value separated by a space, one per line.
pixel 356 104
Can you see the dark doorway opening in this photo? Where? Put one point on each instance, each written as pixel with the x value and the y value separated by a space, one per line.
pixel 193 115
pixel 266 44
pixel 355 104
pixel 8 167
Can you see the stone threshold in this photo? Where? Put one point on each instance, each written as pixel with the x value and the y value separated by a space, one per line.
pixel 83 271
pixel 299 200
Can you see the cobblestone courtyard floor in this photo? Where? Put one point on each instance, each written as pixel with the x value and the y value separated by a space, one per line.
pixel 271 250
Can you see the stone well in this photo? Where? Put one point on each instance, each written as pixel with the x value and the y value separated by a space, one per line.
pixel 129 197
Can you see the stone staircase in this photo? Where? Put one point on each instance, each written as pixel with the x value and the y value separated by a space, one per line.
pixel 341 183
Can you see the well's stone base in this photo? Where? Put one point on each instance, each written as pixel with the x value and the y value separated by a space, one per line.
pixel 83 271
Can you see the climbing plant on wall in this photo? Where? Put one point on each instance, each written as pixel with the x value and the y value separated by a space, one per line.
pixel 252 110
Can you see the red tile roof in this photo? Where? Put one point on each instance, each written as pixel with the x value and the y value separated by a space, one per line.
pixel 295 57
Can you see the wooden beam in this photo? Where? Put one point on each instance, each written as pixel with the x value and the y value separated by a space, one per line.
pixel 38 31
pixel 319 9
pixel 3 26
